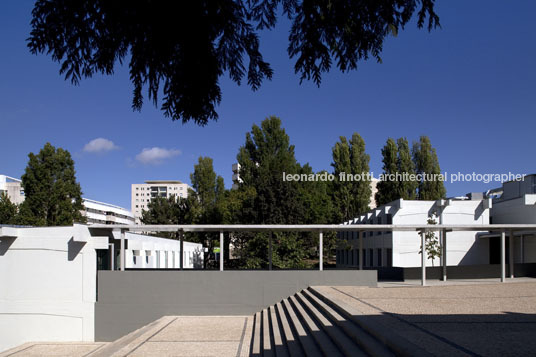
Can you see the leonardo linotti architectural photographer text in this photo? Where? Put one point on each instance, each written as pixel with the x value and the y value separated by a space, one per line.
pixel 405 176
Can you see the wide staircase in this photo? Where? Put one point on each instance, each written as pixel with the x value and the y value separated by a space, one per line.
pixel 313 323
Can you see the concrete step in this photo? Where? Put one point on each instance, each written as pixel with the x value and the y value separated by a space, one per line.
pixel 279 346
pixel 124 345
pixel 290 340
pixel 323 341
pixel 307 342
pixel 337 335
pixel 256 343
pixel 367 343
pixel 397 344
pixel 266 335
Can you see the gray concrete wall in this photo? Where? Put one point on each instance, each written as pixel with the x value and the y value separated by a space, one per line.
pixel 456 272
pixel 130 299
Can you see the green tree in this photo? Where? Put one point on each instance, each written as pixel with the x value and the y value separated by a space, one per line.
pixel 351 189
pixel 407 188
pixel 53 196
pixel 426 163
pixel 8 210
pixel 182 48
pixel 388 189
pixel 170 210
pixel 431 241
pixel 268 199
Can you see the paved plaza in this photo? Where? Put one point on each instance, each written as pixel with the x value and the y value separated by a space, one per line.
pixel 476 318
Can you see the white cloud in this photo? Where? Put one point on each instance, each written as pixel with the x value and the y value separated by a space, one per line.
pixel 155 156
pixel 100 145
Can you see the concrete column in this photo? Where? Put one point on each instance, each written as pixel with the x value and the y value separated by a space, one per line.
pixel 112 256
pixel 503 258
pixel 270 254
pixel 122 252
pixel 522 248
pixel 181 244
pixel 360 250
pixel 423 260
pixel 221 251
pixel 511 254
pixel 320 251
pixel 444 254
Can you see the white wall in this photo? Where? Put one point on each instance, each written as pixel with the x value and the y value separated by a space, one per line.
pixel 463 248
pixel 47 284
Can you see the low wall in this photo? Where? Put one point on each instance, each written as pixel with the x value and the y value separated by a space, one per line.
pixel 130 299
pixel 456 272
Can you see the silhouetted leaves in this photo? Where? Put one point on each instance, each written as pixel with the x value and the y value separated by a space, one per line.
pixel 180 49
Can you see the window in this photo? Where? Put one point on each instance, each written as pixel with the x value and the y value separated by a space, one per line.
pixel 371 257
pixel 389 257
pixel 137 188
pixel 137 194
pixel 136 206
pixel 379 257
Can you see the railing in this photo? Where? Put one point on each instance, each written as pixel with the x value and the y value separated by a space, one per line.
pixel 320 229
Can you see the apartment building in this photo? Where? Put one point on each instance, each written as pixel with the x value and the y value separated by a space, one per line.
pixel 104 213
pixel 95 212
pixel 12 188
pixel 143 193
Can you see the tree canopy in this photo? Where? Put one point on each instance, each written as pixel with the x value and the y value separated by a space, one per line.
pixel 8 210
pixel 351 197
pixel 181 49
pixel 53 196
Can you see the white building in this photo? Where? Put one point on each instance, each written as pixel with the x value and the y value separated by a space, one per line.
pixel 104 213
pixel 236 176
pixel 48 277
pixel 401 249
pixel 143 193
pixel 515 203
pixel 12 188
pixel 95 212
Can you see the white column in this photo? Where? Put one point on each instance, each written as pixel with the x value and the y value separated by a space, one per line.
pixel 423 260
pixel 511 254
pixel 270 254
pixel 181 245
pixel 444 254
pixel 503 258
pixel 221 251
pixel 122 253
pixel 320 251
pixel 360 250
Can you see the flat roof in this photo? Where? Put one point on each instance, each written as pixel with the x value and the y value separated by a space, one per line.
pixel 163 181
pixel 315 227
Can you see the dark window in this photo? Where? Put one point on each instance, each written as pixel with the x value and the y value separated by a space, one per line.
pixel 379 257
pixel 389 257
pixel 371 257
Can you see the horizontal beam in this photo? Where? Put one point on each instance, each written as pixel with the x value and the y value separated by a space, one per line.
pixel 312 227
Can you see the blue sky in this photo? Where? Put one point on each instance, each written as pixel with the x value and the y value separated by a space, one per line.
pixel 470 86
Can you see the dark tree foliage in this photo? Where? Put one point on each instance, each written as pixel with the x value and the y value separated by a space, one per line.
pixel 8 210
pixel 180 49
pixel 53 196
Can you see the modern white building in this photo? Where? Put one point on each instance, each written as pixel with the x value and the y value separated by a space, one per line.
pixel 48 277
pixel 143 193
pixel 104 213
pixel 401 249
pixel 515 203
pixel 12 188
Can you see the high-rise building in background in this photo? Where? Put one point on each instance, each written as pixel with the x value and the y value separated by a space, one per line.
pixel 143 193
pixel 236 175
pixel 12 188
